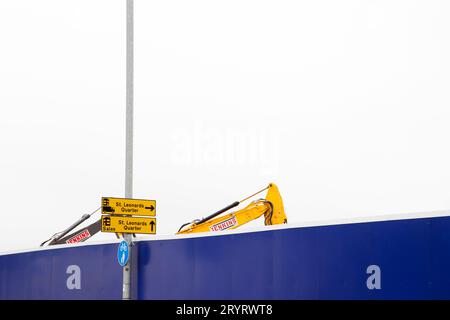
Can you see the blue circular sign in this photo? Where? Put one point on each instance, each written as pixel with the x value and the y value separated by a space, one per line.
pixel 123 253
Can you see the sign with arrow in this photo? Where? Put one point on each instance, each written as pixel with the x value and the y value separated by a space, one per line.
pixel 132 207
pixel 119 224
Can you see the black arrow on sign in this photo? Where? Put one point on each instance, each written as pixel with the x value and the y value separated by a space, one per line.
pixel 152 224
pixel 151 208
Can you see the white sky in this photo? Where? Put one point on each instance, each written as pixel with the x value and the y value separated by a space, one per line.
pixel 344 104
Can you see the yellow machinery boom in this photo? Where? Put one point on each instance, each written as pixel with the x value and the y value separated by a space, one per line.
pixel 271 207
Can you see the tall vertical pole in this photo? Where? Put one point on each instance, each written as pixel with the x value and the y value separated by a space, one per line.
pixel 129 141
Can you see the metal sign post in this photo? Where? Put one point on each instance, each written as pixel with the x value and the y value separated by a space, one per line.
pixel 129 141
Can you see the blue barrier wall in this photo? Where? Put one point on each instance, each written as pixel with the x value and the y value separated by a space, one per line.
pixel 407 259
pixel 44 274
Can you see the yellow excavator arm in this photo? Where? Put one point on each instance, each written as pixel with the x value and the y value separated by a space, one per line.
pixel 271 207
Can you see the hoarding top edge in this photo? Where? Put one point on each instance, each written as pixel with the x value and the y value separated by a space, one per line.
pixel 380 218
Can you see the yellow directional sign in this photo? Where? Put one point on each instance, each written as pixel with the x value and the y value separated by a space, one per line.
pixel 119 224
pixel 135 207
